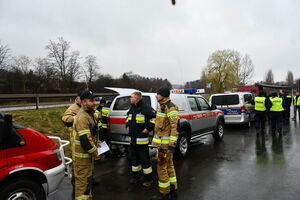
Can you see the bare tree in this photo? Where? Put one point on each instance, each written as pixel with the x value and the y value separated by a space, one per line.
pixel 246 70
pixel 290 78
pixel 45 73
pixel 4 55
pixel 21 64
pixel 73 67
pixel 269 78
pixel 59 55
pixel 90 69
pixel 65 62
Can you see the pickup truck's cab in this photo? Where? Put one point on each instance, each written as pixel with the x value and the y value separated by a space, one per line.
pixel 197 118
pixel 31 164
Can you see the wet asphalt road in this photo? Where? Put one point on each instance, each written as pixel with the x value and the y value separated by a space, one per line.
pixel 242 167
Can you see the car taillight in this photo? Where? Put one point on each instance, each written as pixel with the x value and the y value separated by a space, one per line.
pixel 58 155
pixel 243 110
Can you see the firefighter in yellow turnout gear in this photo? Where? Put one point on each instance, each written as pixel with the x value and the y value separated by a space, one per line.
pixel 86 143
pixel 165 139
pixel 68 119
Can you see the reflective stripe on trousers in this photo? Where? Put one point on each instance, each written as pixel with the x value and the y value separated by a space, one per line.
pixel 136 168
pixel 142 140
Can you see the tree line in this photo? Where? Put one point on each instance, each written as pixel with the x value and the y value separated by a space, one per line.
pixel 63 70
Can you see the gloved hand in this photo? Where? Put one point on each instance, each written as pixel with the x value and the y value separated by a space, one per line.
pixel 95 155
pixel 161 157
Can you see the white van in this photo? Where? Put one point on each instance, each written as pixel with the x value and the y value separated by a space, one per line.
pixel 236 106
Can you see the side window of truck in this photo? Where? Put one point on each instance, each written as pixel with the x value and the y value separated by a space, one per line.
pixel 193 104
pixel 122 103
pixel 203 104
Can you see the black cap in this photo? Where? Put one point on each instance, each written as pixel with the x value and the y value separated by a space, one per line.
pixel 86 94
pixel 163 91
pixel 79 93
pixel 274 94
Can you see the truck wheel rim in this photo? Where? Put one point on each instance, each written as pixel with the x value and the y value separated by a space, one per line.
pixel 22 195
pixel 183 145
pixel 221 130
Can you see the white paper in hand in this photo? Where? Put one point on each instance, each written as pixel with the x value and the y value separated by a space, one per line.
pixel 103 148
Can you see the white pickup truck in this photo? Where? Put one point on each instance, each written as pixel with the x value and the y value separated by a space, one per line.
pixel 197 118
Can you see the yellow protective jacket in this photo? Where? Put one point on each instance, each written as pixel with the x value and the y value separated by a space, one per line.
pixel 86 136
pixel 165 131
pixel 69 115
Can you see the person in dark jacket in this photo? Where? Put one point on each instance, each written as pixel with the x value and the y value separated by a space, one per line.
pixel 287 102
pixel 140 121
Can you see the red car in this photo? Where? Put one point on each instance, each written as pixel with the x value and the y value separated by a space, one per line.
pixel 31 164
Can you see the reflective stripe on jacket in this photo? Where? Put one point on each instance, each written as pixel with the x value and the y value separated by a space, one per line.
pixel 167 118
pixel 140 117
pixel 86 136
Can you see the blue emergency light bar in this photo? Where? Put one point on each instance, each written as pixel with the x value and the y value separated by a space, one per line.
pixel 185 91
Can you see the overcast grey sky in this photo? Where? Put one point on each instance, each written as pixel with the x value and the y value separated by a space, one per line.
pixel 153 38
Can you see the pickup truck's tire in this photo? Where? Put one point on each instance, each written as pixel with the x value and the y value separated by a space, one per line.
pixel 22 188
pixel 219 132
pixel 183 145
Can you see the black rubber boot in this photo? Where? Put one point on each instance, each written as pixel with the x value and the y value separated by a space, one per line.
pixel 161 197
pixel 173 193
pixel 257 132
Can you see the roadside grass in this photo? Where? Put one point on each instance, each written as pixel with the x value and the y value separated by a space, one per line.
pixel 47 121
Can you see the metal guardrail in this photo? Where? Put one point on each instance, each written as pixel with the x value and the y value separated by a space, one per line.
pixel 24 96
pixel 38 96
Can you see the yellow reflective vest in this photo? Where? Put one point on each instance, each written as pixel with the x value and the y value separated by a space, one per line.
pixel 296 103
pixel 260 103
pixel 276 104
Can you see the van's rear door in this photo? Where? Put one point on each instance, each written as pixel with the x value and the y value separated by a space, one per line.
pixel 118 114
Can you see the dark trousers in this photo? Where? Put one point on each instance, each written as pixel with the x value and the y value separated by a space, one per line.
pixel 295 112
pixel 140 161
pixel 276 121
pixel 287 114
pixel 260 119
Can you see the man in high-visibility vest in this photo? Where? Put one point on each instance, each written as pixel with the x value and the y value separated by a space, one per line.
pixel 276 113
pixel 287 101
pixel 296 102
pixel 261 104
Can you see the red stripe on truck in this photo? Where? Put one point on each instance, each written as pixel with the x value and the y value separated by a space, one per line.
pixel 117 120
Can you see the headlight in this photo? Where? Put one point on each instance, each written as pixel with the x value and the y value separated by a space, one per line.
pixel 58 155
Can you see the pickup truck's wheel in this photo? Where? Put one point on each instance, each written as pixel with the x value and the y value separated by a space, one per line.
pixel 219 132
pixel 182 146
pixel 22 188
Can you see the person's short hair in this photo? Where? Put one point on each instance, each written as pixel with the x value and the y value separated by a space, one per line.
pixel 137 94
